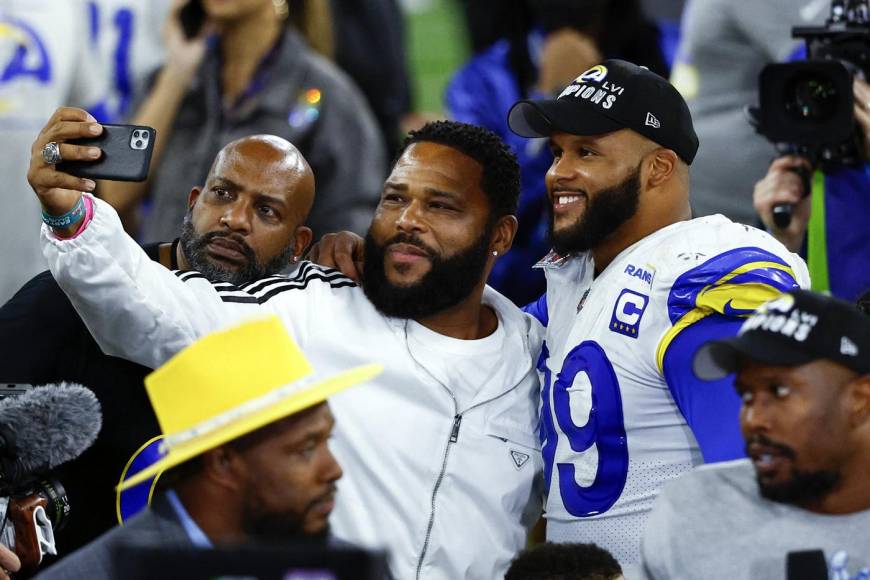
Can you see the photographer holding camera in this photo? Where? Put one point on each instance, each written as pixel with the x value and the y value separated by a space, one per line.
pixel 844 201
pixel 815 198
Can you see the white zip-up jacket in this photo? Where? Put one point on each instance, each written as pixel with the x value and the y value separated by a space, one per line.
pixel 450 492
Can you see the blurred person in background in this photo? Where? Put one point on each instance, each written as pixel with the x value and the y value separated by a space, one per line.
pixel 490 21
pixel 45 60
pixel 254 74
pixel 565 38
pixel 370 47
pixel 829 222
pixel 365 39
pixel 723 47
pixel 126 33
pixel 667 15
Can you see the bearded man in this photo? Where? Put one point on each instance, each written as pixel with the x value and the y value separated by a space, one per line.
pixel 799 505
pixel 634 286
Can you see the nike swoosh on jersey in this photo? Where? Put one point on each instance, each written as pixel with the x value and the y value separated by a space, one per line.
pixel 731 311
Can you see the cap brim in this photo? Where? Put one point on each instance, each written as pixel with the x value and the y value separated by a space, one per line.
pixel 718 359
pixel 542 118
pixel 292 404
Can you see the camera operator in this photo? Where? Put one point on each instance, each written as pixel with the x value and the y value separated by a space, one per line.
pixel 835 260
pixel 8 562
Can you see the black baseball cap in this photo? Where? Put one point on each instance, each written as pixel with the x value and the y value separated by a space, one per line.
pixel 794 329
pixel 610 96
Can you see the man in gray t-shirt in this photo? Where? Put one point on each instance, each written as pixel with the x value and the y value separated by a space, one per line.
pixel 724 45
pixel 803 372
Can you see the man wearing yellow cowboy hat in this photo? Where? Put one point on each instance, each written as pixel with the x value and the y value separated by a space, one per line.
pixel 245 425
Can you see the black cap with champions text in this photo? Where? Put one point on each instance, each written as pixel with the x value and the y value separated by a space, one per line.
pixel 608 97
pixel 795 329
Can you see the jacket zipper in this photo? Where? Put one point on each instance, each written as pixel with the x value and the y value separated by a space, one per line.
pixel 454 437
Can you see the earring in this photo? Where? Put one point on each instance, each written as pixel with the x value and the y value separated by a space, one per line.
pixel 495 252
pixel 295 259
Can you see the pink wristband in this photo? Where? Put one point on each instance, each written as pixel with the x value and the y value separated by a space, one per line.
pixel 89 215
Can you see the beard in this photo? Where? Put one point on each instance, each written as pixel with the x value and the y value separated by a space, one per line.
pixel 803 486
pixel 195 249
pixel 281 527
pixel 606 211
pixel 447 283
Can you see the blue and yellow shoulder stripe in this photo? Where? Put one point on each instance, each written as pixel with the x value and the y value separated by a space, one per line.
pixel 732 284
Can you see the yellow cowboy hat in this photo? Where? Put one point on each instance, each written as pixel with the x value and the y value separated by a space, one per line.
pixel 230 383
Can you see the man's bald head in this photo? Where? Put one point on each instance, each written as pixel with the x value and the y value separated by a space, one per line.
pixel 276 155
pixel 247 221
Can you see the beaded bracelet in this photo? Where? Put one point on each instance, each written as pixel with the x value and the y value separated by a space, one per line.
pixel 76 214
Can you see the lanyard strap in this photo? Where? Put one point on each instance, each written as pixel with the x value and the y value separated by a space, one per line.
pixel 817 242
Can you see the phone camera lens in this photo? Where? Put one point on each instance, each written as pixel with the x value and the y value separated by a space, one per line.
pixel 139 143
pixel 136 134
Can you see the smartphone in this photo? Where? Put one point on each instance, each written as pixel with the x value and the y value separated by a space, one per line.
pixel 192 17
pixel 126 154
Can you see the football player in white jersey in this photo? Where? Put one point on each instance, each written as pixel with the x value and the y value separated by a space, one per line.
pixel 633 286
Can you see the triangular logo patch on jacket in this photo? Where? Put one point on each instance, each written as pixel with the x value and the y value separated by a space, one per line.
pixel 519 458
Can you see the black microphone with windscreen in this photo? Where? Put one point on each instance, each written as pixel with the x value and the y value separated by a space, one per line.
pixel 45 427
pixel 40 429
pixel 806 565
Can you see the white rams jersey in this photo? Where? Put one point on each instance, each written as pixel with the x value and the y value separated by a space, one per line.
pixel 618 398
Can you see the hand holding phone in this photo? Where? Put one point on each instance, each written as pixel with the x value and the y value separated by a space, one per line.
pixel 60 192
pixel 184 35
pixel 126 154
